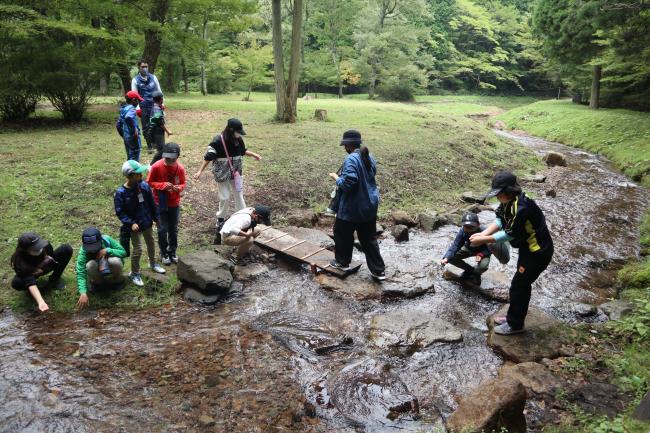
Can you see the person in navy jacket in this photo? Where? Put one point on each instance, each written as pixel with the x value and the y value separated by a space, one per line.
pixel 145 83
pixel 461 249
pixel 357 207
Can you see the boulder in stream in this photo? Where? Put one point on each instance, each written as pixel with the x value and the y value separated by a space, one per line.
pixel 411 330
pixel 368 394
pixel 553 159
pixel 536 378
pixel 431 221
pixel 495 285
pixel 194 296
pixel 401 233
pixel 493 406
pixel 361 286
pixel 357 286
pixel 543 338
pixel 207 271
pixel 470 197
pixel 401 217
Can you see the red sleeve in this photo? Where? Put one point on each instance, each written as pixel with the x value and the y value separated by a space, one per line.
pixel 181 177
pixel 154 175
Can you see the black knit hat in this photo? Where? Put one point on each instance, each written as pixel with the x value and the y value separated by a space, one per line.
pixel 351 137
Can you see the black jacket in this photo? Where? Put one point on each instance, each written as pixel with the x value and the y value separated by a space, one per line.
pixel 462 240
pixel 524 221
pixel 26 266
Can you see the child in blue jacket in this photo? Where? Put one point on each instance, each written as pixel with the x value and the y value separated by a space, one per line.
pixel 461 249
pixel 136 208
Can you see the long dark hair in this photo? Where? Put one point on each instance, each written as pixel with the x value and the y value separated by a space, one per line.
pixel 229 135
pixel 365 157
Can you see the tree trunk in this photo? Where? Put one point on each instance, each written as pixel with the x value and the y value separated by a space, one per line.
pixel 204 35
pixel 186 87
pixel 125 77
pixel 594 98
pixel 294 65
pixel 278 59
pixel 153 33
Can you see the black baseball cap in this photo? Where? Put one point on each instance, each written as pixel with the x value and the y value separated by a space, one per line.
pixel 171 150
pixel 351 137
pixel 31 242
pixel 265 213
pixel 470 219
pixel 503 180
pixel 91 240
pixel 236 125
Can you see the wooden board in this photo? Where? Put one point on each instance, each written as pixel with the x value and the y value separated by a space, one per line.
pixel 316 257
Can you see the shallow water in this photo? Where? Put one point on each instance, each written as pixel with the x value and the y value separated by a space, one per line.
pixel 281 354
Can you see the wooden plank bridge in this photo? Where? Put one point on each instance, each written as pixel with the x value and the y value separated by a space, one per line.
pixel 317 257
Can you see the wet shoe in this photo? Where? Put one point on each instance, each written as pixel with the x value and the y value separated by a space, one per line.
pixel 381 276
pixel 337 265
pixel 166 261
pixel 136 279
pixel 157 268
pixel 329 212
pixel 57 284
pixel 499 320
pixel 173 258
pixel 505 329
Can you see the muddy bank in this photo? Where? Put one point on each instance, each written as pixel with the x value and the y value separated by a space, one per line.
pixel 283 354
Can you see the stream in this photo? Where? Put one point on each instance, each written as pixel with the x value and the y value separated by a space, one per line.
pixel 281 354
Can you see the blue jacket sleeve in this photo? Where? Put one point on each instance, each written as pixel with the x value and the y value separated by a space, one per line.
pixel 120 210
pixel 349 177
pixel 455 246
pixel 151 204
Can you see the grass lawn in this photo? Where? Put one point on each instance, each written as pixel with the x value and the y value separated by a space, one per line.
pixel 621 135
pixel 57 179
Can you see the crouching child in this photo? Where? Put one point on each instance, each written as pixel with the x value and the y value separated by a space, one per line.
pixel 461 249
pixel 239 230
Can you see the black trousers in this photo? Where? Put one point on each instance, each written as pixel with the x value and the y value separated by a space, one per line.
pixel 529 268
pixel 344 243
pixel 159 142
pixel 168 231
pixel 62 256
pixel 145 115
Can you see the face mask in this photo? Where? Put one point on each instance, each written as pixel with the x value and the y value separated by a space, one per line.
pixel 35 253
pixel 143 71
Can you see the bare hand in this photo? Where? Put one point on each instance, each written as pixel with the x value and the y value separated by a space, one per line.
pixel 334 176
pixel 82 302
pixel 43 307
pixel 176 188
pixel 197 175
pixel 444 261
pixel 169 133
pixel 101 253
pixel 478 259
pixel 257 157
pixel 168 186
pixel 135 227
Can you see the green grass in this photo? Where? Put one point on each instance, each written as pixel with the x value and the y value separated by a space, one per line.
pixel 621 135
pixel 57 179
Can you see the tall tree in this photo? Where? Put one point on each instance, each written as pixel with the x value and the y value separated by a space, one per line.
pixel 153 32
pixel 286 90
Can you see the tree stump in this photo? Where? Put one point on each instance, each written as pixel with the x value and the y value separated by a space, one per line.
pixel 320 114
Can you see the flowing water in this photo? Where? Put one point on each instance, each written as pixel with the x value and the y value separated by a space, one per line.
pixel 282 354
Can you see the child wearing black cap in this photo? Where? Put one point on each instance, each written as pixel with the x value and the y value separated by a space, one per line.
pixel 522 223
pixel 226 152
pixel 34 257
pixel 157 126
pixel 240 231
pixel 461 249
pixel 99 263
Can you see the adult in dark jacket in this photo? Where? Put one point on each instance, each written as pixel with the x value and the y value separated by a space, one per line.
pixel 522 223
pixel 462 248
pixel 357 207
pixel 137 210
pixel 145 84
pixel 34 257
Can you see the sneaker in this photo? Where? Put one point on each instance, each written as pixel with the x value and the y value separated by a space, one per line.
pixel 166 261
pixel 505 329
pixel 466 275
pixel 337 265
pixel 475 279
pixel 329 212
pixel 136 279
pixel 173 258
pixel 380 276
pixel 157 268
pixel 57 284
pixel 499 320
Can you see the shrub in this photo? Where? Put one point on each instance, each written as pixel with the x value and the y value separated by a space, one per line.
pixel 18 105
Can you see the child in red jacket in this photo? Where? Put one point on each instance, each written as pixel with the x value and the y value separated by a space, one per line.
pixel 167 179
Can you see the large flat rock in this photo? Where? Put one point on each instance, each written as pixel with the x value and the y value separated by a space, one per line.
pixel 490 408
pixel 207 271
pixel 543 338
pixel 494 285
pixel 411 329
pixel 536 378
pixel 356 286
pixel 361 286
